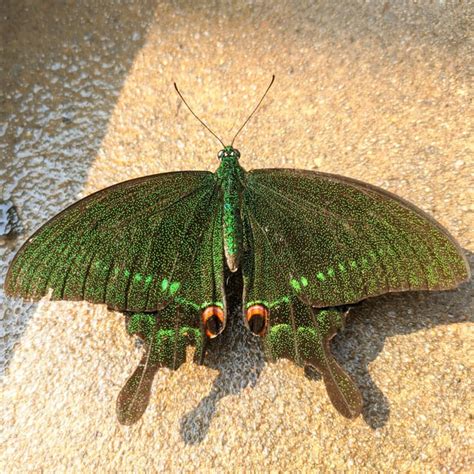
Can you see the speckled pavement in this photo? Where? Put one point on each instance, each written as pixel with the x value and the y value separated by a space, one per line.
pixel 379 91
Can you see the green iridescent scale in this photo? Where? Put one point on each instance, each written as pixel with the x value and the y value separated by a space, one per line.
pixel 304 244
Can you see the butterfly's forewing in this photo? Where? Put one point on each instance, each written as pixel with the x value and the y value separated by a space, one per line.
pixel 130 246
pixel 336 240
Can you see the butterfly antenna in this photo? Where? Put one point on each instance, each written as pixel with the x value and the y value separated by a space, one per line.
pixel 254 110
pixel 191 110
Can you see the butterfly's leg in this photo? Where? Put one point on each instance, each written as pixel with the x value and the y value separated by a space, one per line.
pixel 314 350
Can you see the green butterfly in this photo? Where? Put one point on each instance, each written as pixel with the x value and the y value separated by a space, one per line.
pixel 303 244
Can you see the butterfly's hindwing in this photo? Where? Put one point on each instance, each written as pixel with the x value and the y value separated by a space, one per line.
pixel 167 333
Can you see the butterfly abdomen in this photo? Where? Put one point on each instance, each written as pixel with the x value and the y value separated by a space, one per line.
pixel 231 175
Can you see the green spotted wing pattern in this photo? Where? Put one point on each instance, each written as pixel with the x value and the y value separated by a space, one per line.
pixel 314 242
pixel 132 246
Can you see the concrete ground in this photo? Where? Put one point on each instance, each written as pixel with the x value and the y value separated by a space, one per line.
pixel 376 90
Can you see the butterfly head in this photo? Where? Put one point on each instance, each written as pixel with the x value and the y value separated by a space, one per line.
pixel 229 152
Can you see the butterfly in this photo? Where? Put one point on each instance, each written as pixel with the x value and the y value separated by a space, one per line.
pixel 304 245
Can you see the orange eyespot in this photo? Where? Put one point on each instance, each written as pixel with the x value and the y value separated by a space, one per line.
pixel 257 318
pixel 213 320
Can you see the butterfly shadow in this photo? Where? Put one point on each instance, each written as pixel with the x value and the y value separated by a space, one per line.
pixel 238 355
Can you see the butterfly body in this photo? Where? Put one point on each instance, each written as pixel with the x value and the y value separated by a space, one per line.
pixel 304 245
pixel 231 177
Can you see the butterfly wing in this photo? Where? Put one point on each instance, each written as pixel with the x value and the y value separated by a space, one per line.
pixel 336 240
pixel 315 240
pixel 130 246
pixel 150 246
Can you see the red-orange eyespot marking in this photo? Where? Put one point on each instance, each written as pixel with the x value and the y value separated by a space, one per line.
pixel 213 320
pixel 257 317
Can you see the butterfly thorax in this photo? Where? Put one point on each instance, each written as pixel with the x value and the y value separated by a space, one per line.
pixel 231 177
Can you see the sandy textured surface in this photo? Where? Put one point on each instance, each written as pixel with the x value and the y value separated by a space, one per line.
pixel 378 91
